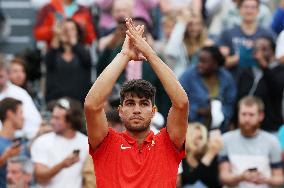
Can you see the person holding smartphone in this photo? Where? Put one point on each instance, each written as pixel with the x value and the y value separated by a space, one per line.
pixel 59 156
pixel 11 116
pixel 251 157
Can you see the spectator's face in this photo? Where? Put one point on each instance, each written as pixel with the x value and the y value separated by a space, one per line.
pixel 17 74
pixel 249 119
pixel 136 113
pixel 249 10
pixel 69 32
pixel 168 26
pixel 18 117
pixel 196 142
pixel 122 10
pixel 194 27
pixel 207 64
pixel 16 178
pixel 264 47
pixel 58 120
pixel 3 78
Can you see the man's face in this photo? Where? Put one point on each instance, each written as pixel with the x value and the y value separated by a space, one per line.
pixel 18 117
pixel 264 47
pixel 249 119
pixel 122 10
pixel 3 78
pixel 58 120
pixel 17 74
pixel 16 178
pixel 136 113
pixel 249 10
pixel 206 65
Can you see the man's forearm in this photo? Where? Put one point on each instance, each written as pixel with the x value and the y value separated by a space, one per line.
pixel 172 86
pixel 275 181
pixel 231 180
pixel 3 159
pixel 105 82
pixel 45 175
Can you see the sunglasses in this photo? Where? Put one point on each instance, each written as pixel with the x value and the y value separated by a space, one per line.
pixel 63 103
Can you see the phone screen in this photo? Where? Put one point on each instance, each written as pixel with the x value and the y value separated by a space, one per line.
pixel 76 151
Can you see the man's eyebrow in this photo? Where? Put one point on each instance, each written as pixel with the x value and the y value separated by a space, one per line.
pixel 145 100
pixel 128 100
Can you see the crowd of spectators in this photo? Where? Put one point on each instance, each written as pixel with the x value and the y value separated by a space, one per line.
pixel 227 54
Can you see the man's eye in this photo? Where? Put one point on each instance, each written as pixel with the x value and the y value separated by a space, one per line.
pixel 130 104
pixel 144 104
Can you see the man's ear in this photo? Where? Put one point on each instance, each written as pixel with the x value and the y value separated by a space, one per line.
pixel 9 114
pixel 154 110
pixel 119 110
pixel 261 116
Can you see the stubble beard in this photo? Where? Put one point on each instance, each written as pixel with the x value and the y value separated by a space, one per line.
pixel 137 128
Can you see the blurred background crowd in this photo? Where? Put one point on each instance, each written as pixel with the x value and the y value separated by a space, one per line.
pixel 222 51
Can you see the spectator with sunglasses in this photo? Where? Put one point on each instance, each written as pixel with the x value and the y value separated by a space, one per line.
pixel 59 156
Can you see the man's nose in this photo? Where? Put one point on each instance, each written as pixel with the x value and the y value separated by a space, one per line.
pixel 137 109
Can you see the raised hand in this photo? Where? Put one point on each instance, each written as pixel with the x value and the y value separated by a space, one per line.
pixel 70 160
pixel 129 49
pixel 137 39
pixel 13 150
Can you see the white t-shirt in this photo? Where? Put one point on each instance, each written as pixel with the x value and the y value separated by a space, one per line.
pixel 50 149
pixel 280 45
pixel 32 118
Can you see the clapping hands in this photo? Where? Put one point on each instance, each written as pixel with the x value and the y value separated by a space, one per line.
pixel 135 45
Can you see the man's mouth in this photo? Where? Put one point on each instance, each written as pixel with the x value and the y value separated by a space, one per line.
pixel 136 118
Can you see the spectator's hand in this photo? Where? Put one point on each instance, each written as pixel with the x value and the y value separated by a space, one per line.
pixel 70 160
pixel 129 49
pixel 57 29
pixel 250 176
pixel 215 144
pixel 135 36
pixel 260 179
pixel 184 16
pixel 232 61
pixel 259 57
pixel 13 150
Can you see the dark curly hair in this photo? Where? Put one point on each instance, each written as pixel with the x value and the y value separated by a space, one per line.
pixel 216 54
pixel 139 87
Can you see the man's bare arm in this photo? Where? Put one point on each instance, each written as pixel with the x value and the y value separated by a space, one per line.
pixel 226 176
pixel 178 115
pixel 97 126
pixel 277 177
pixel 44 174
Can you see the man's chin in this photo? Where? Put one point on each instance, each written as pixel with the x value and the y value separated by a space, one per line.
pixel 137 128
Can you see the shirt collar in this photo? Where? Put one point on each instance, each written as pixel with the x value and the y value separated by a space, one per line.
pixel 132 140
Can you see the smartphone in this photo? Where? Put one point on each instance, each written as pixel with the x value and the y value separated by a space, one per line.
pixel 76 151
pixel 17 142
pixel 252 169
